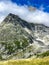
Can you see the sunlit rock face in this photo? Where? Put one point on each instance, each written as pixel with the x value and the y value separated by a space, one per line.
pixel 20 39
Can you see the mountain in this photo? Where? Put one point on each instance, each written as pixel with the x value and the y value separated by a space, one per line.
pixel 21 39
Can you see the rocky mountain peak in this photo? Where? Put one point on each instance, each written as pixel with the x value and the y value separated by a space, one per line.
pixel 18 36
pixel 11 17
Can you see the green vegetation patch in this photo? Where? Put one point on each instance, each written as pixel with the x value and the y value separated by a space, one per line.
pixel 43 54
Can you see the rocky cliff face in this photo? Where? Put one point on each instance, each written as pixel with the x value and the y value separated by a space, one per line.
pixel 20 39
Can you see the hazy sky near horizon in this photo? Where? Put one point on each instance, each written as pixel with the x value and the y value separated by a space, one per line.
pixel 20 8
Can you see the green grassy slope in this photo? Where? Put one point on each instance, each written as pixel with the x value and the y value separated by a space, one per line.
pixel 38 61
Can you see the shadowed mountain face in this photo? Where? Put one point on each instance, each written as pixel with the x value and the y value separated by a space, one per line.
pixel 20 39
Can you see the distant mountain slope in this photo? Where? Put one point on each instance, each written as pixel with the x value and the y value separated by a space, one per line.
pixel 20 39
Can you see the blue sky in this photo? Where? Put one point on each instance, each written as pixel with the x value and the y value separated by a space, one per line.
pixel 35 3
pixel 40 14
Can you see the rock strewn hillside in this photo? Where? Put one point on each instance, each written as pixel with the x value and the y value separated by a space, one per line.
pixel 20 39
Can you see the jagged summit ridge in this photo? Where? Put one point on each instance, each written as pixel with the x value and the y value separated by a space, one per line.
pixel 16 17
pixel 11 17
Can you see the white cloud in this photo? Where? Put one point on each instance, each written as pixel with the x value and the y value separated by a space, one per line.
pixel 36 16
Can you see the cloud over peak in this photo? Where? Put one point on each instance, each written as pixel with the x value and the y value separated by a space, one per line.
pixel 34 16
